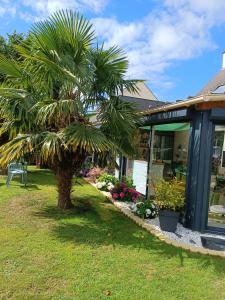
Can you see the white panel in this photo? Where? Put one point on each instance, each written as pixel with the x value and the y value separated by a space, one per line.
pixel 140 175
pixel 117 171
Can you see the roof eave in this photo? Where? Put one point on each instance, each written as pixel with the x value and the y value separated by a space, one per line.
pixel 185 103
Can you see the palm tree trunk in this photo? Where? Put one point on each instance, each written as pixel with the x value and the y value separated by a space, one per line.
pixel 64 182
pixel 64 170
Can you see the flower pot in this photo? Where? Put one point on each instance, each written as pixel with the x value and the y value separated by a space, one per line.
pixel 168 220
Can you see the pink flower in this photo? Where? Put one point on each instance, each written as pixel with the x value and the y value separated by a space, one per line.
pixel 115 195
pixel 121 195
pixel 123 184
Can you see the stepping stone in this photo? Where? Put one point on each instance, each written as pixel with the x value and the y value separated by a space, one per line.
pixel 213 243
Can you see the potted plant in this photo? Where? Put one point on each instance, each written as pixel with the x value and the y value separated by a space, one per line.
pixel 169 196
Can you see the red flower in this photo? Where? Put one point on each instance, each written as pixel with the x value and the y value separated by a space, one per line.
pixel 115 195
pixel 121 195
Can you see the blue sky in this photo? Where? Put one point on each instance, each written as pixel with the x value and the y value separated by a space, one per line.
pixel 176 45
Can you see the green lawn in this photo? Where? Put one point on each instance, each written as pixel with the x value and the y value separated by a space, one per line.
pixel 92 252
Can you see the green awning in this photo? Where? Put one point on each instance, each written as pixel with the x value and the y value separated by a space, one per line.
pixel 172 127
pixel 169 127
pixel 145 127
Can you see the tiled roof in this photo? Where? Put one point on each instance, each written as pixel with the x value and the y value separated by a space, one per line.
pixel 143 104
pixel 218 80
pixel 144 92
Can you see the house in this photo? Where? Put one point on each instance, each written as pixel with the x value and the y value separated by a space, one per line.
pixel 143 99
pixel 186 140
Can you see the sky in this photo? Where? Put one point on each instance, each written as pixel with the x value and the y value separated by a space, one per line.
pixel 175 45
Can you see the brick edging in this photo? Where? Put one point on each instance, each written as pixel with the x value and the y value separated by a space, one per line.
pixel 158 233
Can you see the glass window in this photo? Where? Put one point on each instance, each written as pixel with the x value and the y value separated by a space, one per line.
pixel 169 152
pixel 216 213
pixel 219 90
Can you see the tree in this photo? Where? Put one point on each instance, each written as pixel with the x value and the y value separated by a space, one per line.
pixel 47 95
pixel 7 46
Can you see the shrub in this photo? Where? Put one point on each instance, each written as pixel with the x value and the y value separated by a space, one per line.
pixel 84 172
pixel 104 186
pixel 95 173
pixel 169 195
pixel 145 209
pixel 123 192
pixel 108 178
pixel 128 181
pixel 85 169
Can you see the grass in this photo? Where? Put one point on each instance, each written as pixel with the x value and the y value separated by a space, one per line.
pixel 91 252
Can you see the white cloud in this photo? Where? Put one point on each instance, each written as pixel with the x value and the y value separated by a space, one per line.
pixel 42 8
pixel 179 31
pixel 34 10
pixel 7 8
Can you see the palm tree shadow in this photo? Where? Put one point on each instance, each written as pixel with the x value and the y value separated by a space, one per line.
pixel 44 177
pixel 30 187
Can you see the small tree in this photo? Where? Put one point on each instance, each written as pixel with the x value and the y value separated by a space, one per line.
pixel 47 95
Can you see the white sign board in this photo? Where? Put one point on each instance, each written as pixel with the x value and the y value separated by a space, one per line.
pixel 140 175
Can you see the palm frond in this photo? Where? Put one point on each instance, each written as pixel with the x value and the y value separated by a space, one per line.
pixel 12 93
pixel 15 105
pixel 52 146
pixel 15 149
pixel 9 67
pixel 123 118
pixel 57 111
pixel 86 137
pixel 110 67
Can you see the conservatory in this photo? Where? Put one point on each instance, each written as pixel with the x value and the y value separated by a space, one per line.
pixel 185 140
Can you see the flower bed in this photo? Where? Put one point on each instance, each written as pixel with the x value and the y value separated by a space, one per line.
pixel 183 237
pixel 122 192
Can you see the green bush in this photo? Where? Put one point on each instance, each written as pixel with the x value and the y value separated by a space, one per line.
pixel 128 181
pixel 169 195
pixel 107 178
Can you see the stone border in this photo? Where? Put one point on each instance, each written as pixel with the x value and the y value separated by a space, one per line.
pixel 156 232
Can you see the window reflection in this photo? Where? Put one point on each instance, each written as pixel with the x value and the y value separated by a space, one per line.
pixel 216 215
pixel 169 152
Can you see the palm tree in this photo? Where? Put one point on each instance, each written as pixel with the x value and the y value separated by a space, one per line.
pixel 47 95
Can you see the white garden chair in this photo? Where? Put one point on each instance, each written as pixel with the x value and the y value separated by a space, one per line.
pixel 17 169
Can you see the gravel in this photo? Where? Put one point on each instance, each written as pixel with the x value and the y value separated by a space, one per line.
pixel 182 234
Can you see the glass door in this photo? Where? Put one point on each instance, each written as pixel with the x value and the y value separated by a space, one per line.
pixel 216 211
pixel 169 153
